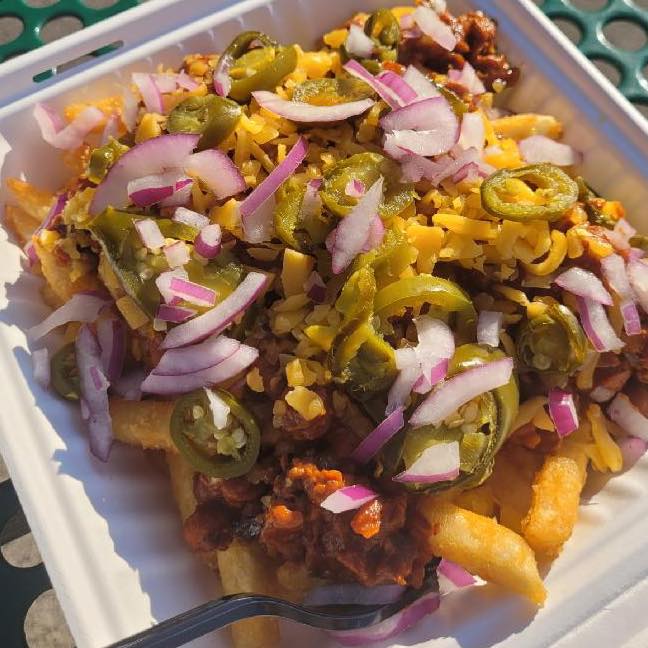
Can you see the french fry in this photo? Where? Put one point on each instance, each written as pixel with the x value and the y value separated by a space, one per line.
pixel 479 500
pixel 57 275
pixel 244 568
pixel 143 423
pixel 556 498
pixel 35 202
pixel 20 223
pixel 483 547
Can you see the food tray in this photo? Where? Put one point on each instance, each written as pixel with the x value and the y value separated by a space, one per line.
pixel 109 534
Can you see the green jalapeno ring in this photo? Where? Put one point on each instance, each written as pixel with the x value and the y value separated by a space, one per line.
pixel 561 189
pixel 498 410
pixel 102 158
pixel 213 117
pixel 332 91
pixel 64 374
pixel 384 30
pixel 189 433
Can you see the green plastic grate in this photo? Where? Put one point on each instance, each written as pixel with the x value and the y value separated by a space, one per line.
pixel 597 47
pixel 34 18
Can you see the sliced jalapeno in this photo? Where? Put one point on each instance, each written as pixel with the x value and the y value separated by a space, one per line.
pixel 383 28
pixel 330 92
pixel 64 373
pixel 213 117
pixel 552 193
pixel 102 158
pixel 257 69
pixel 209 450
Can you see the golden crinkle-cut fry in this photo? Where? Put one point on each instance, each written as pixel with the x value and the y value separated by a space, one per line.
pixel 556 498
pixel 36 202
pixel 143 423
pixel 483 547
pixel 245 568
pixel 21 224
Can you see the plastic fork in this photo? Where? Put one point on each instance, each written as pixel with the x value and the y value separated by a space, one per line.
pixel 217 614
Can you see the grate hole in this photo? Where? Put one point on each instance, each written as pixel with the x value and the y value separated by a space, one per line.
pixel 45 625
pixel 10 28
pixel 570 29
pixel 22 552
pixel 59 27
pixel 625 35
pixel 609 70
pixel 589 5
pixel 39 4
pixel 99 4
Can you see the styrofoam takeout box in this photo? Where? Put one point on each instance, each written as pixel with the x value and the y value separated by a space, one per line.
pixel 110 535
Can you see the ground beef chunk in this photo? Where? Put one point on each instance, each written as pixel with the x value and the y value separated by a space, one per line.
pixel 371 545
pixel 636 352
pixel 209 527
pixel 638 393
pixel 476 36
pixel 297 427
pixel 234 492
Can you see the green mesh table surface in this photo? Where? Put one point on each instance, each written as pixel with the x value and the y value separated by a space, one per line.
pixel 612 33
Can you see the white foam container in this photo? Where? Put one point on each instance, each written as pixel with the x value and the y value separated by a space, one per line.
pixel 110 535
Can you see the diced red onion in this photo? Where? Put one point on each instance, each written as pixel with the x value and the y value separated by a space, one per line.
pixel 181 193
pixel 221 316
pixel 420 83
pixel 435 338
pixel 468 78
pixel 30 252
pixel 584 283
pixel 433 114
pixel 94 392
pixel 623 228
pixel 163 283
pixel 299 111
pixel 82 307
pixel 54 131
pixel 111 335
pixel 378 437
pixel 217 171
pixel 376 234
pixel 357 43
pixel 149 190
pixel 130 110
pixel 431 25
pixel 399 86
pixel 425 143
pixel 416 167
pixel 111 129
pixel 601 394
pixel 315 288
pixel 174 314
pixel 165 82
pixel 354 229
pixel 152 157
pixel 353 593
pixel 208 241
pixel 259 225
pixel 149 233
pixel 219 408
pixel 614 270
pixel 191 218
pixel 563 412
pixel 221 80
pixel 455 573
pixel 52 217
pixel 623 412
pixel 192 292
pixel 470 172
pixel 473 133
pixel 430 375
pixel 348 498
pixel 632 449
pixel 539 148
pixel 355 69
pixel 392 627
pixel 402 387
pixel 312 203
pixel 437 463
pixel 150 92
pixel 461 389
pixel 354 188
pixel 41 364
pixel 597 326
pixel 186 82
pixel 638 276
pixel 489 325
pixel 197 357
pixel 240 360
pixel 621 234
pixel 177 254
pixel 467 157
pixel 267 189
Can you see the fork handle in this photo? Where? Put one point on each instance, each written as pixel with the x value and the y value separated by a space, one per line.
pixel 217 614
pixel 199 621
